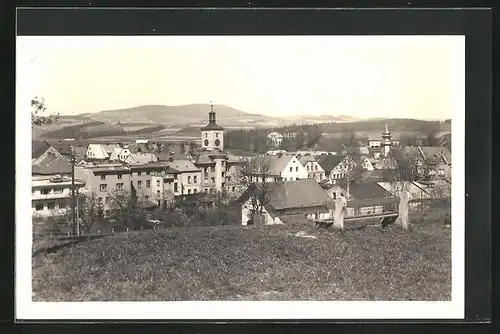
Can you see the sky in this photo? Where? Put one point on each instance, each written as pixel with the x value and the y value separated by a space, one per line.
pixel 359 76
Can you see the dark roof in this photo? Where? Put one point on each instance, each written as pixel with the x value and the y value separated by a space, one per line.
pixel 212 126
pixel 299 218
pixel 63 147
pixel 294 194
pixel 52 164
pixel 365 190
pixel 376 175
pixel 329 162
pixel 38 148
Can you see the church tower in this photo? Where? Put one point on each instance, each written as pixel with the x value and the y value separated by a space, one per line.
pixel 212 135
pixel 386 142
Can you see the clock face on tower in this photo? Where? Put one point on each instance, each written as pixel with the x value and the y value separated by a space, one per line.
pixel 206 142
pixel 217 142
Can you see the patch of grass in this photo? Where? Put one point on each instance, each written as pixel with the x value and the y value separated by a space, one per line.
pixel 251 263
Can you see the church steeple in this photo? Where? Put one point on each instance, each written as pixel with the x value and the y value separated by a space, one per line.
pixel 212 134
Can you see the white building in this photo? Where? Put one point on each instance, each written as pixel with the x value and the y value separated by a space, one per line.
pixel 51 194
pixel 284 168
pixel 212 135
pixel 275 138
pixel 314 169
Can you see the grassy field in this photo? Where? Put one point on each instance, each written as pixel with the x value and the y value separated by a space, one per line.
pixel 251 263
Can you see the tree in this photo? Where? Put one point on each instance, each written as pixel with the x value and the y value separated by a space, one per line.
pixel 255 175
pixel 400 167
pixel 90 211
pixel 350 150
pixel 125 208
pixel 38 107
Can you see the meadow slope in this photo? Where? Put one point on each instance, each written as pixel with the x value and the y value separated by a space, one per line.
pixel 250 263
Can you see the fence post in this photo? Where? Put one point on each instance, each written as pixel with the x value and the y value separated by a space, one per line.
pixel 154 227
pixel 141 228
pixel 127 229
pixel 99 231
pixel 112 230
pixel 68 233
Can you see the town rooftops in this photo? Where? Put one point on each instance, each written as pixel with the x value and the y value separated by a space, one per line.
pixel 306 159
pixel 294 194
pixel 277 163
pixel 149 165
pixel 38 148
pixel 52 164
pixel 183 166
pixel 108 168
pixel 365 190
pixel 329 162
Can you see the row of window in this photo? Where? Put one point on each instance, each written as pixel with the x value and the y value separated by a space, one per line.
pixel 315 167
pixel 50 206
pixel 296 169
pixel 104 187
pixel 47 191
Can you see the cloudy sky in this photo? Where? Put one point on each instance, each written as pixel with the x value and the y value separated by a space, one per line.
pixel 361 76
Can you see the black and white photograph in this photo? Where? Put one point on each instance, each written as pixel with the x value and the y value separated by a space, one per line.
pixel 240 172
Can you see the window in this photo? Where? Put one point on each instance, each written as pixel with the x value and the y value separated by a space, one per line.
pixel 206 134
pixel 216 135
pixel 223 174
pixel 213 179
pixel 157 183
pixel 189 179
pixel 119 176
pixel 189 191
pixel 195 179
pixel 175 187
pixel 195 191
pixel 103 187
pixel 296 169
pixel 291 169
pixel 45 191
pixel 139 184
pixel 148 173
pixel 205 190
pixel 296 178
pixel 334 195
pixel 234 189
pixel 158 193
pixel 139 173
pixel 307 167
pixel 316 167
pixel 229 179
pixel 50 206
pixel 103 177
pixel 223 163
pixel 146 197
pixel 212 169
pixel 119 186
pixel 39 207
pixel 58 191
pixel 205 170
pixel 148 183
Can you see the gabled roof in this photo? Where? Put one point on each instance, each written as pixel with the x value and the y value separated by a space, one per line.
pixel 38 148
pixel 365 190
pixel 277 163
pixel 294 194
pixel 183 166
pixel 52 164
pixel 307 158
pixel 329 162
pixel 432 154
pixel 140 158
pixel 98 148
pixel 62 147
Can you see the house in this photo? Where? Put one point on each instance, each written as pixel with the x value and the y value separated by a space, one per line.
pixel 314 169
pixel 140 158
pixel 286 202
pixel 328 163
pixel 432 162
pixel 96 152
pixel 189 177
pixel 103 179
pixel 275 139
pixel 120 154
pixel 141 179
pixel 164 187
pixel 41 150
pixel 51 186
pixel 276 152
pixel 51 194
pixel 362 191
pixel 285 168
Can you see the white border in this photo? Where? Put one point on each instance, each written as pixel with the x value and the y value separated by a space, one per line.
pixel 26 309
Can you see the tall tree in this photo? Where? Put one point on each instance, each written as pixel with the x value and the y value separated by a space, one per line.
pixel 90 211
pixel 350 150
pixel 254 174
pixel 125 208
